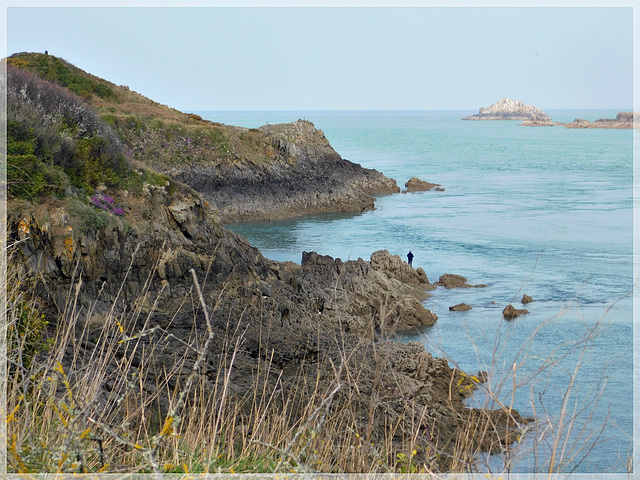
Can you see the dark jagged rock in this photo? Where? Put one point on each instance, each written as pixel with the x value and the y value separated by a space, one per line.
pixel 507 109
pixel 526 299
pixel 394 267
pixel 383 295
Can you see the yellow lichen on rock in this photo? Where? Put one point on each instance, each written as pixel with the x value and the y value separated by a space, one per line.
pixel 23 228
pixel 68 242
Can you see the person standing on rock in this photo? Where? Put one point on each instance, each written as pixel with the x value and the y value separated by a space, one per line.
pixel 410 258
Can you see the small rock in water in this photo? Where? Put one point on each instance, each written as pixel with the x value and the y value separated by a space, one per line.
pixel 526 299
pixel 416 185
pixel 451 280
pixel 510 312
pixel 461 307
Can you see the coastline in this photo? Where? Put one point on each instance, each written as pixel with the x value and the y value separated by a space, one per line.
pixel 133 247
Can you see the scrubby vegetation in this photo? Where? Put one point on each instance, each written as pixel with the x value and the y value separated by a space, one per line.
pixel 155 134
pixel 58 71
pixel 58 146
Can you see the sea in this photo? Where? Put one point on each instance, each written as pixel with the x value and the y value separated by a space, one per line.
pixel 542 211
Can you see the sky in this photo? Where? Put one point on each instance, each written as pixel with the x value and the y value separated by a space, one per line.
pixel 323 57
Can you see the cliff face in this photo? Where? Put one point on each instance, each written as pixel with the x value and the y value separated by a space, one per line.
pixel 507 109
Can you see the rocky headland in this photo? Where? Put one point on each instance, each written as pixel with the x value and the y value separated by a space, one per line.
pixel 300 173
pixel 112 239
pixel 271 172
pixel 508 109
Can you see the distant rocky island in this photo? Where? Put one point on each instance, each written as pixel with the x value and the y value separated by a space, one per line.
pixel 531 116
pixel 507 109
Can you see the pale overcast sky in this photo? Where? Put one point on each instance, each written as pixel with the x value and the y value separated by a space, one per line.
pixel 355 58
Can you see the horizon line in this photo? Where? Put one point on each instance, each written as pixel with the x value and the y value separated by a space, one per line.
pixel 390 109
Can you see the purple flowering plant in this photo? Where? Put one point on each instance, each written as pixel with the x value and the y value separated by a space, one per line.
pixel 107 203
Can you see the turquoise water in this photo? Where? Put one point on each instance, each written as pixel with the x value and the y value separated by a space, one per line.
pixel 542 211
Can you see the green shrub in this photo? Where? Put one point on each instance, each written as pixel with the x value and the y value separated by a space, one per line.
pixel 93 164
pixel 88 218
pixel 110 120
pixel 24 177
pixel 134 124
pixel 20 139
pixel 56 140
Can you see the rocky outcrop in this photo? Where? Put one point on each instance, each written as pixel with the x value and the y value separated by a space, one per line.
pixel 414 184
pixel 380 296
pixel 526 299
pixel 622 120
pixel 507 109
pixel 300 174
pixel 275 171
